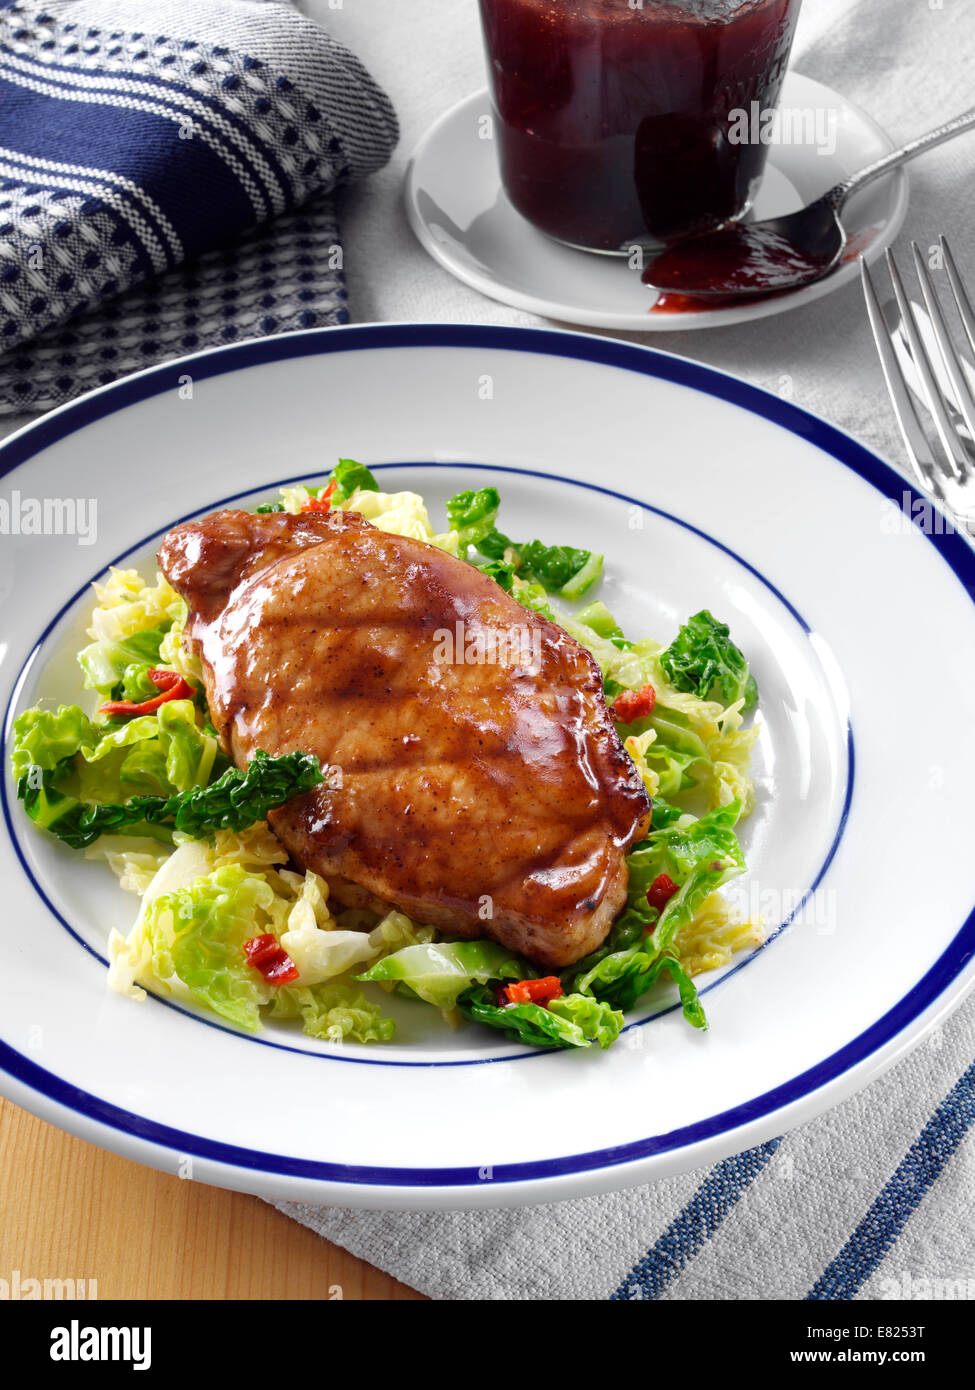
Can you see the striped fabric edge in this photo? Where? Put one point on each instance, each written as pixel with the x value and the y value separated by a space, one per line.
pixel 365 119
pixel 901 1196
pixel 868 1246
pixel 48 87
pixel 281 278
pixel 146 220
pixel 696 1224
pixel 164 97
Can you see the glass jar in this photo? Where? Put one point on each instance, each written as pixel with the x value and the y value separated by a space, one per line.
pixel 620 120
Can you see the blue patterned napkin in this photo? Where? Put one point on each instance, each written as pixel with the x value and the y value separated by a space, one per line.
pixel 166 169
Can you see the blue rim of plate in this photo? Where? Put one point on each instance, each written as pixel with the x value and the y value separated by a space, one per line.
pixel 380 1061
pixel 954 551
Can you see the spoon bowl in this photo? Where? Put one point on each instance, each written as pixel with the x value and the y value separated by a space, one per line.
pixel 748 260
pixel 753 258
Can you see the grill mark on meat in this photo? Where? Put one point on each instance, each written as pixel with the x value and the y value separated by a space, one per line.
pixel 458 781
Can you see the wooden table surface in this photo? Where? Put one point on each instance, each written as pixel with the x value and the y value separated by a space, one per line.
pixel 70 1210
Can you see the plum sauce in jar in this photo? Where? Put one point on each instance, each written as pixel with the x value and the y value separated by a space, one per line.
pixel 617 120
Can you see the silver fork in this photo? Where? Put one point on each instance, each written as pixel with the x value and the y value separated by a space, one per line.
pixel 896 331
pixel 946 473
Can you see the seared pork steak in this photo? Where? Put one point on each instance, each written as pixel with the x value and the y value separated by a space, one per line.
pixel 478 782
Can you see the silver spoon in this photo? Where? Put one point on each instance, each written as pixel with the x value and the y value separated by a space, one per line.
pixel 779 253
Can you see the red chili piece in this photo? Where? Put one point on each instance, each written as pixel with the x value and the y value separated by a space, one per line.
pixel 271 959
pixel 534 991
pixel 321 503
pixel 660 892
pixel 173 686
pixel 633 704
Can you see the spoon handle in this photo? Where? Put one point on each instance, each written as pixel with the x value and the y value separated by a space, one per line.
pixel 838 195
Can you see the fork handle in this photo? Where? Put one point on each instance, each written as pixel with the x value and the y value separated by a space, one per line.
pixel 838 195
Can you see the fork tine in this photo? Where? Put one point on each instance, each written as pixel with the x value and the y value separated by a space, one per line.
pixel 939 326
pixel 951 444
pixel 964 304
pixel 915 440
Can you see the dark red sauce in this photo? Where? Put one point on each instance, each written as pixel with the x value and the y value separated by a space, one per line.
pixel 613 121
pixel 671 303
pixel 740 257
pixel 741 260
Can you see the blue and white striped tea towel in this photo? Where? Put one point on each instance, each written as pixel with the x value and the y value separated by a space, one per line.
pixel 165 177
pixel 873 1200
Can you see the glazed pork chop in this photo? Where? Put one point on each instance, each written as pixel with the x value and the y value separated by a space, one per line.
pixel 485 797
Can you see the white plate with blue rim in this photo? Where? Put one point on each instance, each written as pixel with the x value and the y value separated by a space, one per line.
pixel 852 598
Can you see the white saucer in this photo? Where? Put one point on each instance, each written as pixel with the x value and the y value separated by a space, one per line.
pixel 461 215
